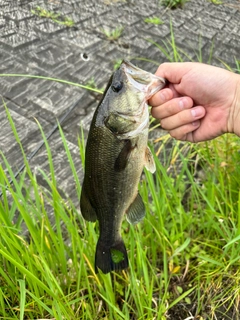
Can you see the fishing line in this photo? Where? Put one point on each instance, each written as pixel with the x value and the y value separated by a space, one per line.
pixel 51 132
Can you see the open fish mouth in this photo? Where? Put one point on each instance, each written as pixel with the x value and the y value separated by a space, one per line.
pixel 142 80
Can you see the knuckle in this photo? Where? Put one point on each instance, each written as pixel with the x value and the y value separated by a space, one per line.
pixel 156 112
pixel 183 116
pixel 181 133
pixel 171 109
pixel 175 135
pixel 163 124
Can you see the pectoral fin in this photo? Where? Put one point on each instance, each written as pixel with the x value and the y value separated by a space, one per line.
pixel 136 210
pixel 149 161
pixel 87 210
pixel 122 159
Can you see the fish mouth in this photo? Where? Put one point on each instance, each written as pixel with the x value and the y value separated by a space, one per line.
pixel 142 80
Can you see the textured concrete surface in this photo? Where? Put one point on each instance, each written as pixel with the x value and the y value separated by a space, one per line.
pixel 30 44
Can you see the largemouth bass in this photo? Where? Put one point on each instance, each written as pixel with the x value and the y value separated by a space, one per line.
pixel 116 153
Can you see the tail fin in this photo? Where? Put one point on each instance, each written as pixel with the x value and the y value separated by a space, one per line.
pixel 111 258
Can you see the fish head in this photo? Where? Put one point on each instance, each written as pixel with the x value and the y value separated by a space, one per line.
pixel 124 107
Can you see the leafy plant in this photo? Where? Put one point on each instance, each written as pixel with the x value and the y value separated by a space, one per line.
pixel 173 4
pixel 216 1
pixel 113 35
pixel 237 65
pixel 56 17
pixel 41 12
pixel 153 20
pixel 173 53
pixel 91 83
pixel 117 64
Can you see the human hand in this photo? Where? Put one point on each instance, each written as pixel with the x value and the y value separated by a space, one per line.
pixel 200 103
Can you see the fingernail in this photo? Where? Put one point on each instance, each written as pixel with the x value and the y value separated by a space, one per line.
pixel 182 103
pixel 195 123
pixel 162 96
pixel 196 112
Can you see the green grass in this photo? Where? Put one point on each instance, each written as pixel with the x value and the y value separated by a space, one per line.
pixel 55 17
pixel 184 256
pixel 173 4
pixel 113 34
pixel 153 20
pixel 216 1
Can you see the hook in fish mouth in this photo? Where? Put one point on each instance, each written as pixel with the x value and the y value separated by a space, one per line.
pixel 142 80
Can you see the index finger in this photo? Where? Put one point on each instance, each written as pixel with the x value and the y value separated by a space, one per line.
pixel 173 71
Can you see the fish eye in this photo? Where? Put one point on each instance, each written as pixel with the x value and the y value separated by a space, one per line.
pixel 117 86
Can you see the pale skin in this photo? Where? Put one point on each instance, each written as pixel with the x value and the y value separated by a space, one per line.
pixel 200 102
